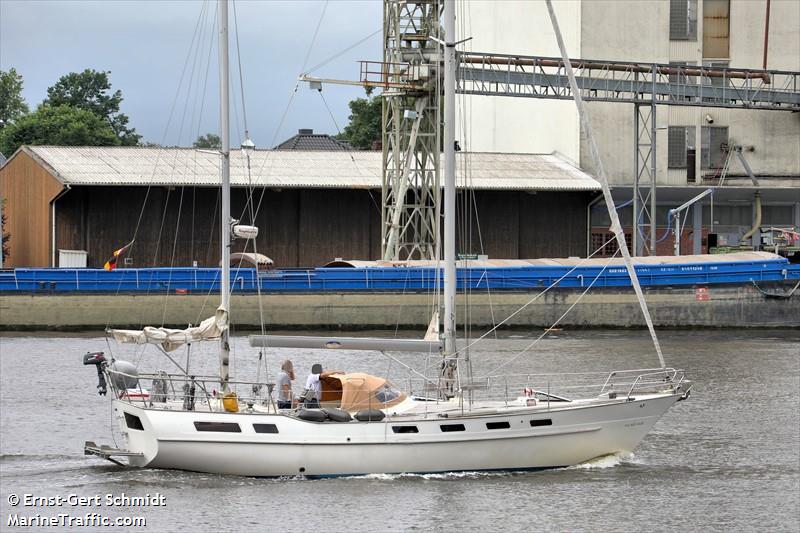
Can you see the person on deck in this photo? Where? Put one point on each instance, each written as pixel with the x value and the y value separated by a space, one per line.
pixel 284 382
pixel 313 383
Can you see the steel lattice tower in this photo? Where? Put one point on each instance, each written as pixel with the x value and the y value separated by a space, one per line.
pixel 411 128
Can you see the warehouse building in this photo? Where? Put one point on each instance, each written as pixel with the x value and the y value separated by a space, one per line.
pixel 692 142
pixel 311 206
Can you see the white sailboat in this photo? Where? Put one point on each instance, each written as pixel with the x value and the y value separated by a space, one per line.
pixel 366 425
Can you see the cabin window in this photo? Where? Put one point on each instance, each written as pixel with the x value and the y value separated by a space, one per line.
pixel 220 427
pixel 405 429
pixel 133 422
pixel 498 425
pixel 265 428
pixel 541 422
pixel 452 427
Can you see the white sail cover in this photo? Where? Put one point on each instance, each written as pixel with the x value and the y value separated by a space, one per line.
pixel 172 339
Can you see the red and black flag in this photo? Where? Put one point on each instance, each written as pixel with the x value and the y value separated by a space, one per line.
pixel 111 264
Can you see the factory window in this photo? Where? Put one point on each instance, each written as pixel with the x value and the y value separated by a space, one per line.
pixel 681 147
pixel 713 146
pixel 405 429
pixel 683 20
pixel 452 427
pixel 541 422
pixel 265 428
pixel 498 425
pixel 611 246
pixel 716 28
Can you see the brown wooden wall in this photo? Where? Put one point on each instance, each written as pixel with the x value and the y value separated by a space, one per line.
pixel 28 190
pixel 521 225
pixel 304 227
pixel 296 227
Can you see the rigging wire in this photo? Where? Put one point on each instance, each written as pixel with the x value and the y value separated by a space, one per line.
pixel 601 174
pixel 239 61
pixel 342 52
pixel 539 295
pixel 195 36
pixel 547 330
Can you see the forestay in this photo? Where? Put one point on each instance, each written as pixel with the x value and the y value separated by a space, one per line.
pixel 172 339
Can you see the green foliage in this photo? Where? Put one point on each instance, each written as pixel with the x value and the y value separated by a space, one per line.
pixel 58 125
pixel 209 140
pixel 365 123
pixel 12 105
pixel 90 90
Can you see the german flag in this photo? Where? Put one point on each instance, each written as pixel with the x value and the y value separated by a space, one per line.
pixel 111 264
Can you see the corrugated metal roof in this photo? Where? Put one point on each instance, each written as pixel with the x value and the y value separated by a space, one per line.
pixel 295 169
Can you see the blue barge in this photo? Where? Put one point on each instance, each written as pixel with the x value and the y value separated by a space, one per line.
pixel 356 276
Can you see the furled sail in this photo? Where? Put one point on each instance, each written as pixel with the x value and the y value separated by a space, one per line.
pixel 346 343
pixel 172 339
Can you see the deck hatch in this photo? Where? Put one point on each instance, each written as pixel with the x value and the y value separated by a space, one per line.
pixel 498 425
pixel 265 428
pixel 405 429
pixel 133 422
pixel 219 427
pixel 452 427
pixel 541 422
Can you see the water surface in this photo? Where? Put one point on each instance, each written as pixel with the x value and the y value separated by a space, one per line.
pixel 727 459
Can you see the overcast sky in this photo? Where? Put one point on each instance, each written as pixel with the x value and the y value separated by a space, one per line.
pixel 145 45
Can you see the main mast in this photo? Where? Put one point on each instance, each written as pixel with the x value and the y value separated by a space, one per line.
pixel 225 219
pixel 449 177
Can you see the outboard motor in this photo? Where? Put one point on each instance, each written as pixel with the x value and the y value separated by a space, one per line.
pixel 98 359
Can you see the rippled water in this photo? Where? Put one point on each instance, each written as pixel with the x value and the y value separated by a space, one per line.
pixel 727 459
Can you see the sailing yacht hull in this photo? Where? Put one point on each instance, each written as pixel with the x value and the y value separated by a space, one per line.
pixel 560 436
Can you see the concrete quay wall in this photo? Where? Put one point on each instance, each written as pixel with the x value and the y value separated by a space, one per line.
pixel 739 306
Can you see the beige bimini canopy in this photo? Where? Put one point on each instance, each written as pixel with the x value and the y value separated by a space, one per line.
pixel 364 391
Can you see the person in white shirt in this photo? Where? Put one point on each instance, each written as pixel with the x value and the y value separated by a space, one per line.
pixel 313 383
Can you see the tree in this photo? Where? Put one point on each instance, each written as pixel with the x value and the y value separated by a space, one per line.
pixel 365 122
pixel 60 125
pixel 209 140
pixel 12 106
pixel 90 90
